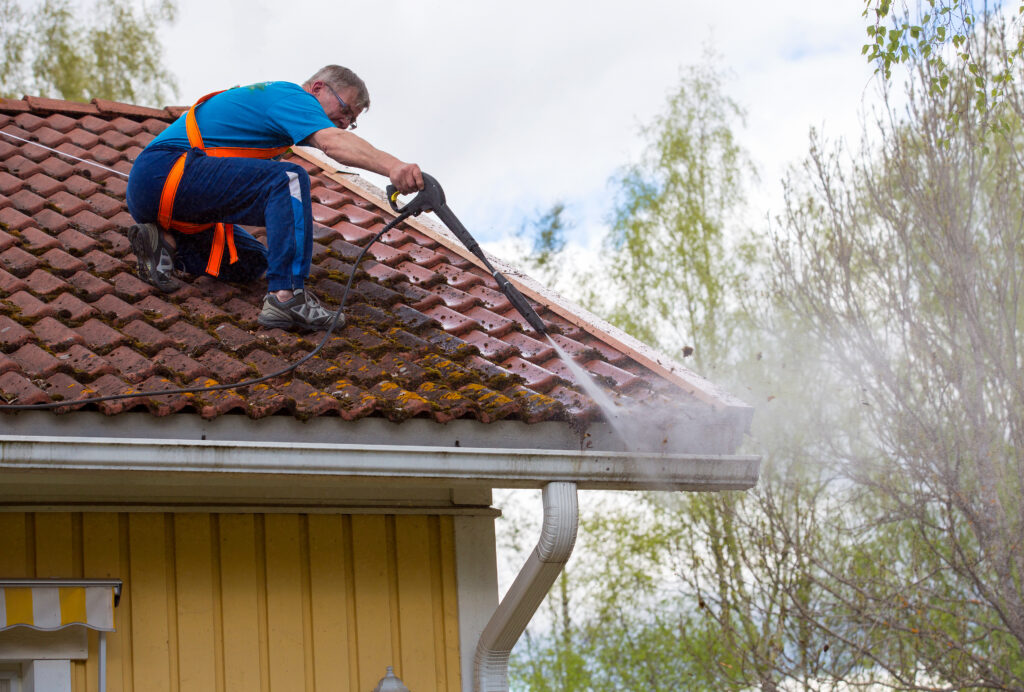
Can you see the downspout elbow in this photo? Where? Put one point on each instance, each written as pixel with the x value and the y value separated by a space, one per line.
pixel 557 538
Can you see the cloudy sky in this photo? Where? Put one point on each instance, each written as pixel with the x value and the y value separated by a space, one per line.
pixel 513 106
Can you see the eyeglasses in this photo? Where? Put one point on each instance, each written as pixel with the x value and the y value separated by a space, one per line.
pixel 345 109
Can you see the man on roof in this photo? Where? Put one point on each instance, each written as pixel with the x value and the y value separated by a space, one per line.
pixel 214 167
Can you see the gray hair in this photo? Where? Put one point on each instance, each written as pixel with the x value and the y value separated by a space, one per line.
pixel 338 77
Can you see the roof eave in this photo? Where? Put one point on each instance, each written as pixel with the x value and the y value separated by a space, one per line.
pixel 492 467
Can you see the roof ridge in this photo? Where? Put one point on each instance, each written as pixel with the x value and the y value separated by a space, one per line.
pixel 97 107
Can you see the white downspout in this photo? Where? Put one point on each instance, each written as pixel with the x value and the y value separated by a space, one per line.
pixel 557 538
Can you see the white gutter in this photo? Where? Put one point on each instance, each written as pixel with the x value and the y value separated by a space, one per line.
pixel 523 468
pixel 557 538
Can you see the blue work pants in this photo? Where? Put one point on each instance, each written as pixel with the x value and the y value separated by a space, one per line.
pixel 257 192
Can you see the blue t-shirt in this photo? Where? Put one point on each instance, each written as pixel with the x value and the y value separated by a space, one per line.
pixel 268 114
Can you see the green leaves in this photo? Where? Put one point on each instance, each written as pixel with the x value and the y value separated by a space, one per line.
pixel 910 39
pixel 110 50
pixel 667 242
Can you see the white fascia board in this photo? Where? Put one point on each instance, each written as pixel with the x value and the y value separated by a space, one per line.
pixel 494 467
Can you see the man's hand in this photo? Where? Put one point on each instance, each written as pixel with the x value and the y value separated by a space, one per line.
pixel 407 177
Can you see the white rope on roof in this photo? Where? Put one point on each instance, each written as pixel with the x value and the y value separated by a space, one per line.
pixel 70 156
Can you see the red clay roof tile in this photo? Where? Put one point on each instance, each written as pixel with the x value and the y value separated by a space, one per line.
pixel 29 121
pixel 61 262
pixel 12 334
pixel 452 321
pixel 65 203
pixel 54 335
pixel 530 348
pixel 71 309
pixel 535 376
pixel 34 361
pixel 130 287
pixel 223 367
pixel 90 287
pixel 131 365
pixel 9 283
pixel 13 220
pixel 51 221
pixel 148 339
pixel 101 263
pixel 9 184
pixel 234 339
pixel 47 136
pixel 452 297
pixel 188 338
pixel 116 310
pixel 14 387
pixel 622 379
pixel 179 365
pixel 77 184
pixel 57 168
pixel 45 105
pixel 493 323
pixel 61 122
pixel 84 363
pixel 490 347
pixel 101 338
pixel 30 307
pixel 35 240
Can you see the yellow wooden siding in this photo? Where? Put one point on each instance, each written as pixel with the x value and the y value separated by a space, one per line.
pixel 255 602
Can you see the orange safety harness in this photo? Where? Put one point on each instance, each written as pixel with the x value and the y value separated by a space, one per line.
pixel 224 233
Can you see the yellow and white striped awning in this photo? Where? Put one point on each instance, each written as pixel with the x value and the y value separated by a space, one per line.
pixel 50 604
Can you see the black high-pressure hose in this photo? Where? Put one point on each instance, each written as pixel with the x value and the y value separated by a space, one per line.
pixel 431 198
pixel 237 385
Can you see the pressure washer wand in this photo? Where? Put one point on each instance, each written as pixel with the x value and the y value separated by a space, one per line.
pixel 431 198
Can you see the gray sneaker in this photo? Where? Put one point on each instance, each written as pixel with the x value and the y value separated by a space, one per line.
pixel 303 311
pixel 155 257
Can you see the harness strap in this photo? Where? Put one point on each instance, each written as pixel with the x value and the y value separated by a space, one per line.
pixel 223 233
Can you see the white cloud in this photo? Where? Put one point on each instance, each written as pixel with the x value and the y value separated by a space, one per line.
pixel 512 106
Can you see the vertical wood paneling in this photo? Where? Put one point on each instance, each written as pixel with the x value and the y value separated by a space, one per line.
pixel 373 607
pixel 415 607
pixel 284 602
pixel 350 600
pixel 127 602
pixel 450 602
pixel 239 602
pixel 328 573
pixel 195 613
pixel 437 598
pixel 151 655
pixel 256 602
pixel 101 559
pixel 13 545
pixel 54 553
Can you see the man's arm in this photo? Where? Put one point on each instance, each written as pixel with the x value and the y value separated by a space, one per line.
pixel 352 150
